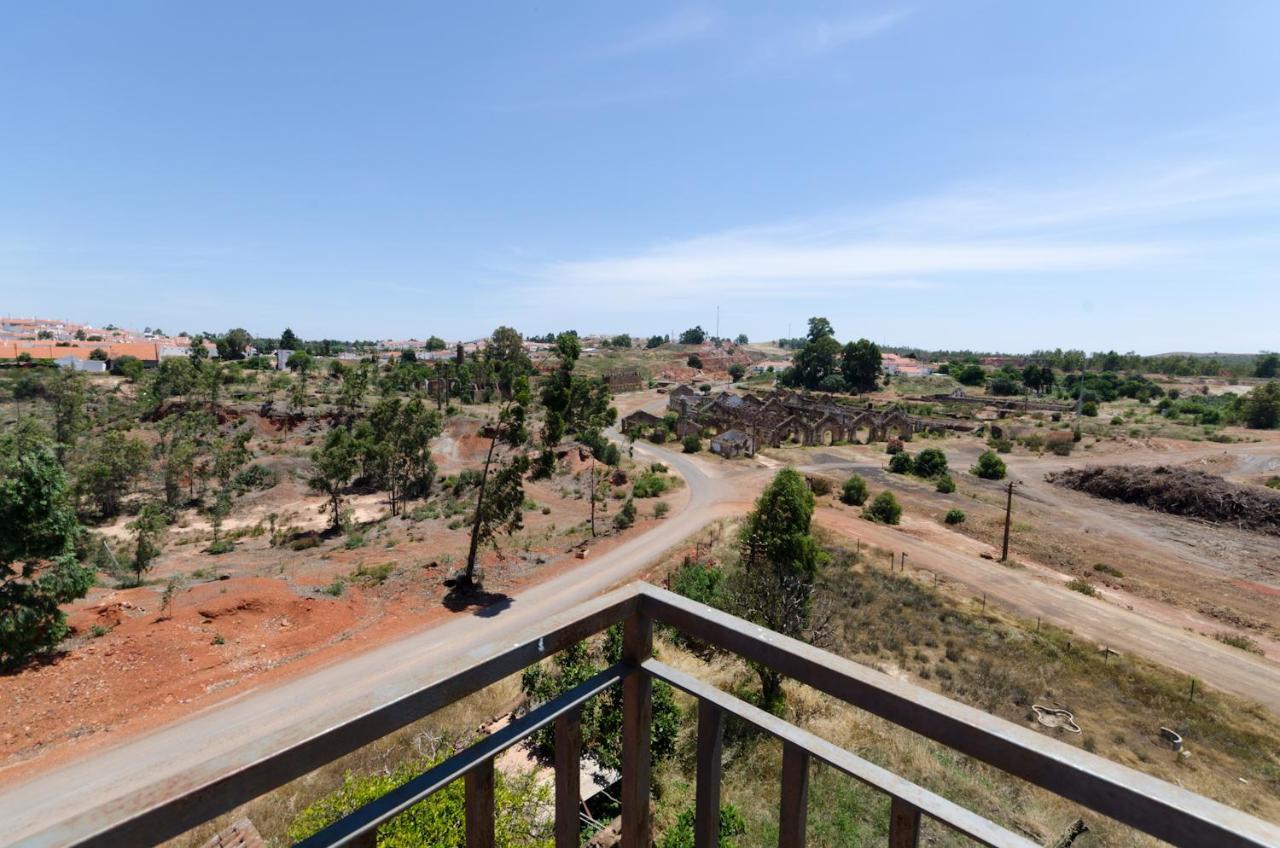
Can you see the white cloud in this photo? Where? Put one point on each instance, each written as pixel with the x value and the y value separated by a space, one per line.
pixel 826 36
pixel 677 28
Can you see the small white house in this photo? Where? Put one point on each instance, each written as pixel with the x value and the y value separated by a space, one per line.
pixel 89 366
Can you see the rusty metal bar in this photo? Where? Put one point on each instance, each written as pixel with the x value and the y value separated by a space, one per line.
pixel 1130 797
pixel 637 716
pixel 478 786
pixel 388 806
pixel 149 820
pixel 706 815
pixel 794 807
pixel 568 778
pixel 972 825
pixel 904 825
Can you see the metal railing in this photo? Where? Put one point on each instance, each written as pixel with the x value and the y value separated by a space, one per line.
pixel 1132 798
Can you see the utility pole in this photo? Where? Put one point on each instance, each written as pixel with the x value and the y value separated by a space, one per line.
pixel 717 322
pixel 1008 516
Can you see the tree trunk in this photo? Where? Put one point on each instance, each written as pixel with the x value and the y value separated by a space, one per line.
pixel 468 577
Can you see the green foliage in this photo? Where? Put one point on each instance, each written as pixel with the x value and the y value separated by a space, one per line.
pixel 901 463
pixel 1089 408
pixel 693 336
pixel 602 715
pixel 737 371
pixel 954 516
pixel 1084 587
pixel 698 581
pixel 680 835
pixel 654 342
pixel 1103 568
pixel 626 516
pixel 817 359
pixel 989 467
pixel 969 375
pixel 440 819
pixel 885 509
pixel 860 365
pixel 660 509
pixel 38 529
pixel 694 361
pixel 780 561
pixel 574 405
pixel 854 491
pixel 1273 483
pixel 253 477
pixel 650 484
pixel 946 485
pixel 1261 407
pixel 333 464
pixel 129 367
pixel 820 486
pixel 114 462
pixel 1267 366
pixel 930 463
pixel 146 529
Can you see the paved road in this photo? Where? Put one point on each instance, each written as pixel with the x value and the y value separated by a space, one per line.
pixel 139 771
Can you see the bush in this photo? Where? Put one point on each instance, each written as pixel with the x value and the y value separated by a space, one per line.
pixel 680 834
pixel 930 462
pixel 660 509
pixel 1084 587
pixel 954 516
pixel 649 485
pixel 854 491
pixel 697 582
pixel 254 477
pixel 900 463
pixel 1116 421
pixel 820 486
pixel 885 509
pixel 1090 408
pixel 691 444
pixel 1000 445
pixel 989 467
pixel 694 361
pixel 1274 483
pixel 626 516
pixel 1103 568
pixel 894 446
pixel 658 434
pixel 946 485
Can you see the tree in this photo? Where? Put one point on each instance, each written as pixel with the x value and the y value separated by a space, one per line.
pixel 741 339
pixel 146 530
pixel 333 464
pixel 66 391
pixel 901 463
pixel 510 361
pixel 1267 366
pixel 969 375
pixel 694 361
pixel 98 355
pixel 780 561
pixel 860 364
pixel 300 361
pixel 854 491
pixel 575 406
pixel 930 463
pixel 435 343
pixel 989 467
pixel 655 341
pixel 1038 378
pixel 115 461
pixel 885 509
pixel 288 341
pixel 500 494
pixel 816 360
pixel 38 528
pixel 398 447
pixel 626 516
pixel 691 443
pixel 693 336
pixel 737 371
pixel 129 367
pixel 1261 407
pixel 233 345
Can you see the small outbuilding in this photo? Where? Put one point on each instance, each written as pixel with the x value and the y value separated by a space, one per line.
pixel 733 443
pixel 639 421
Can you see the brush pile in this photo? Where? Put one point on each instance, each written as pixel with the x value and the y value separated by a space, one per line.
pixel 1179 491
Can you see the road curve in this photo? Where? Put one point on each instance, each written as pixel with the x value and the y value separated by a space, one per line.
pixel 134 774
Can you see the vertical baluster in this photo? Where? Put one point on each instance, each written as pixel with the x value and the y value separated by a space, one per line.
pixel 568 771
pixel 904 825
pixel 637 717
pixel 368 839
pixel 795 796
pixel 706 827
pixel 479 805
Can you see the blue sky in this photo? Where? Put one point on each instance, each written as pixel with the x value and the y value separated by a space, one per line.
pixel 992 175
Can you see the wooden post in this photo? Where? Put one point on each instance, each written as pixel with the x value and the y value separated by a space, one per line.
pixel 904 825
pixel 795 796
pixel 637 718
pixel 479 805
pixel 1008 518
pixel 369 839
pixel 706 821
pixel 568 777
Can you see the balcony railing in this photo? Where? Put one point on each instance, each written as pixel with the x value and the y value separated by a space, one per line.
pixel 1132 798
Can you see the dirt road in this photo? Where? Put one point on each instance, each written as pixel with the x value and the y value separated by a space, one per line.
pixel 139 770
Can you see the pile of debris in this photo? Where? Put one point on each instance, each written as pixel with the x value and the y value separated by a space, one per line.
pixel 1179 491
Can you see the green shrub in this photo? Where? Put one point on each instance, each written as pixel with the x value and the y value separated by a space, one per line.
pixel 1240 641
pixel 854 491
pixel 1000 445
pixel 222 546
pixel 1103 568
pixel 1090 408
pixel 697 582
pixel 660 509
pixel 440 819
pixel 335 589
pixel 1084 587
pixel 1116 421
pixel 900 463
pixel 930 462
pixel 946 485
pixel 254 477
pixel 649 485
pixel 954 516
pixel 1274 483
pixel 989 467
pixel 626 516
pixel 658 468
pixel 680 834
pixel 820 486
pixel 885 509
pixel 691 443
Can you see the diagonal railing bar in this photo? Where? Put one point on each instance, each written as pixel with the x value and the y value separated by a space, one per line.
pixel 403 797
pixel 972 825
pixel 1146 803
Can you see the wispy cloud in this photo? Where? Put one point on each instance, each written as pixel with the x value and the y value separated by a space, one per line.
pixel 681 26
pixel 943 239
pixel 825 36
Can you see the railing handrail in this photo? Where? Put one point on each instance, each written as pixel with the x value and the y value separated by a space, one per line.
pixel 1141 801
